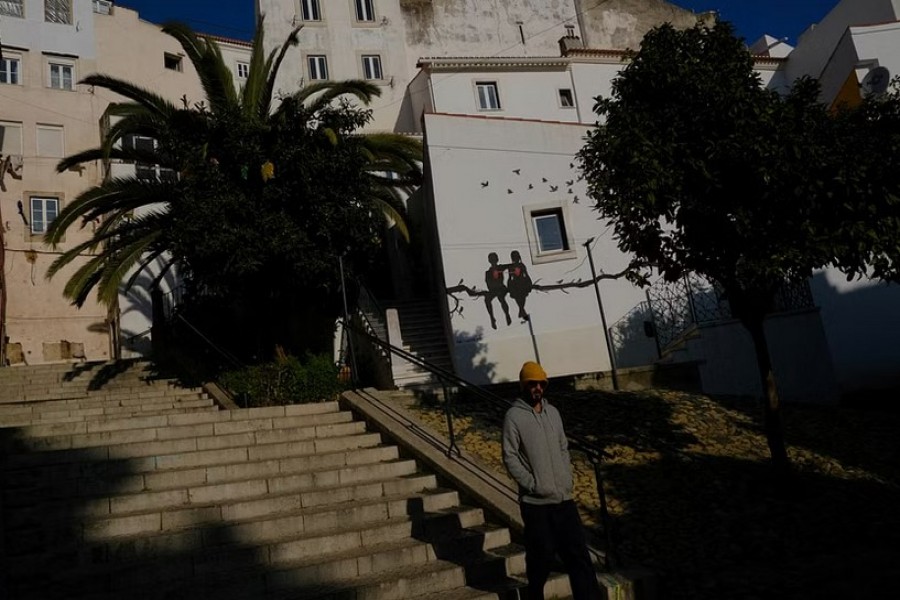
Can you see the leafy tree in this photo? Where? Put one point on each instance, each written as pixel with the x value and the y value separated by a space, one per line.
pixel 255 202
pixel 699 168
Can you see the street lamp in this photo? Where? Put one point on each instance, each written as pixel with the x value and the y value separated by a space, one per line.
pixel 609 346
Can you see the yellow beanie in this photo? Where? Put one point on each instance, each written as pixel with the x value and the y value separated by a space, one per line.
pixel 532 371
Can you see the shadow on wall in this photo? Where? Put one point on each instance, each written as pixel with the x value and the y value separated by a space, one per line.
pixel 633 344
pixel 470 357
pixel 862 323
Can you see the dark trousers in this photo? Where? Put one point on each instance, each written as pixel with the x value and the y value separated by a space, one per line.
pixel 555 529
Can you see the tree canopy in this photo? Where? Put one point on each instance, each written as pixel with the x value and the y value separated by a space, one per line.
pixel 252 197
pixel 699 167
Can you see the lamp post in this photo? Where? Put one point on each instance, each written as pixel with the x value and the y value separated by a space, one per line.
pixel 609 346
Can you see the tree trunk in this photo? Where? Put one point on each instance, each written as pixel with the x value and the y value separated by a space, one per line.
pixel 771 402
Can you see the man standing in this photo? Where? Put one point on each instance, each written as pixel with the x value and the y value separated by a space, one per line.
pixel 536 454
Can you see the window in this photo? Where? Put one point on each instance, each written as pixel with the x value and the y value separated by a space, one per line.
pixel 12 8
pixel 50 141
pixel 10 138
pixel 372 66
pixel 103 7
pixel 549 230
pixel 9 69
pixel 566 99
pixel 364 10
pixel 43 211
pixel 318 67
pixel 549 235
pixel 488 95
pixel 243 70
pixel 62 76
pixel 309 10
pixel 58 11
pixel 146 171
pixel 172 62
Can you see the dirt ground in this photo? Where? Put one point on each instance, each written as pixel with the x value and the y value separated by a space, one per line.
pixel 692 496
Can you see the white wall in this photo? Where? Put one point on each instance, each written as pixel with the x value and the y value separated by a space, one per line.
pixel 474 220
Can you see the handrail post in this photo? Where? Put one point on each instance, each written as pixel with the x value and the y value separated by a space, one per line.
pixel 611 560
pixel 448 411
pixel 354 372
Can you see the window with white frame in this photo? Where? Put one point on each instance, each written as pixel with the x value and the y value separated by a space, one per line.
pixel 488 95
pixel 12 8
pixel 10 138
pixel 172 62
pixel 62 76
pixel 371 64
pixel 103 7
pixel 365 10
pixel 243 70
pixel 318 66
pixel 549 233
pixel 50 141
pixel 58 11
pixel 309 10
pixel 10 67
pixel 43 211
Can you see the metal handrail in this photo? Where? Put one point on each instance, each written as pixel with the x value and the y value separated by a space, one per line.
pixel 594 453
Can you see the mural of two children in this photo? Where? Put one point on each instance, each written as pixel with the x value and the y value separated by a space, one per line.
pixel 502 279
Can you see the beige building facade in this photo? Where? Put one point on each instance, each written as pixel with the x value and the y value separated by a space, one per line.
pixel 45 114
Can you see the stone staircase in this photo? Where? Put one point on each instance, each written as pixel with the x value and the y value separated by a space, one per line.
pixel 422 332
pixel 119 485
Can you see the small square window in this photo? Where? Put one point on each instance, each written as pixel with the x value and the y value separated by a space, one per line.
pixel 309 10
pixel 372 67
pixel 318 67
pixel 566 98
pixel 43 212
pixel 172 62
pixel 243 70
pixel 12 8
pixel 550 230
pixel 10 67
pixel 365 11
pixel 488 95
pixel 58 11
pixel 62 76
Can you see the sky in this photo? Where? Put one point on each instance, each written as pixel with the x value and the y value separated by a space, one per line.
pixel 752 18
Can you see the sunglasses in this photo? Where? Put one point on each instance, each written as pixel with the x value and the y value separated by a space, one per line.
pixel 532 383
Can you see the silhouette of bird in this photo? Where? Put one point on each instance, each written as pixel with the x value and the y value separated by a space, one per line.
pixel 544 179
pixel 509 191
pixel 570 182
pixel 571 165
pixel 570 190
pixel 576 200
pixel 530 186
pixel 484 184
pixel 553 188
pixel 517 171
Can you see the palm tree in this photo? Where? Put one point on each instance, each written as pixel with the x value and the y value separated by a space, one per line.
pixel 214 141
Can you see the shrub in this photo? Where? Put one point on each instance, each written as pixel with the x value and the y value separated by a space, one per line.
pixel 287 380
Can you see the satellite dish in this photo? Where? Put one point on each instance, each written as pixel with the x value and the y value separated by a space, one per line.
pixel 876 81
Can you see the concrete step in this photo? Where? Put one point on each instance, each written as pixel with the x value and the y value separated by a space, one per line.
pixel 214 423
pixel 31 539
pixel 79 414
pixel 27 452
pixel 130 476
pixel 302 483
pixel 94 401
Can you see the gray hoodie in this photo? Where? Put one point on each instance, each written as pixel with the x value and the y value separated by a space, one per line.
pixel 536 453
